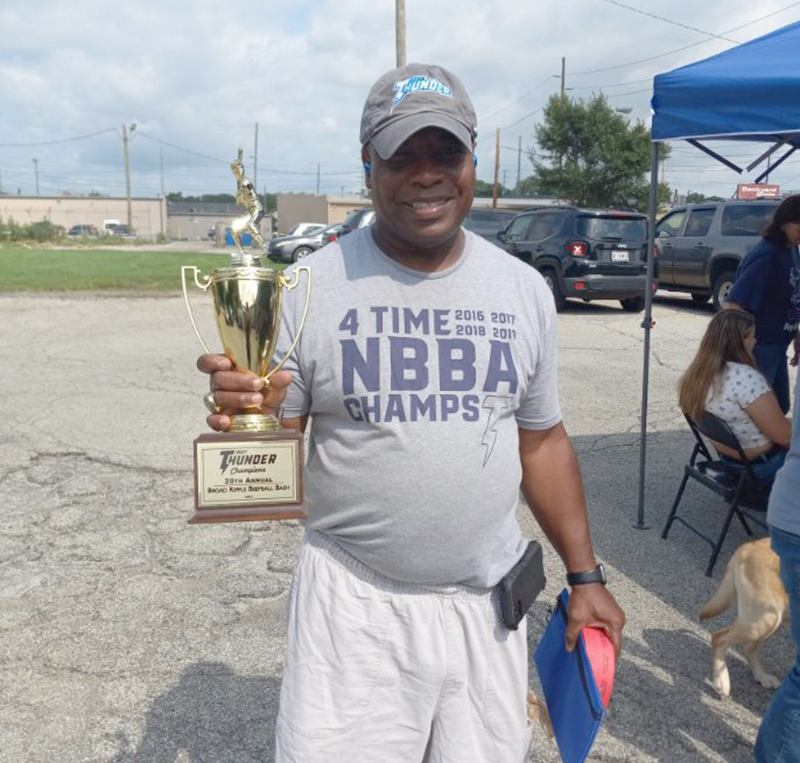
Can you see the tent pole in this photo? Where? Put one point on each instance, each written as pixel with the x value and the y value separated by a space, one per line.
pixel 647 324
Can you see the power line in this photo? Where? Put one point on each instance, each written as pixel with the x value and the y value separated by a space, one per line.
pixel 533 113
pixel 632 63
pixel 617 84
pixel 185 150
pixel 274 171
pixel 521 98
pixel 669 21
pixel 55 142
pixel 685 47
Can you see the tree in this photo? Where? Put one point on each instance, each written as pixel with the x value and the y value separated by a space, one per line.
pixel 269 200
pixel 528 186
pixel 698 198
pixel 486 190
pixel 592 156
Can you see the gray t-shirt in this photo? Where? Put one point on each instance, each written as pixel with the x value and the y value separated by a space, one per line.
pixel 784 500
pixel 417 383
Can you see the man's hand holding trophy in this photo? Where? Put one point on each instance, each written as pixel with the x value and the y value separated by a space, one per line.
pixel 252 470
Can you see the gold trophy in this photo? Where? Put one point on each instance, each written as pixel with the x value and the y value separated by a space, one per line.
pixel 253 470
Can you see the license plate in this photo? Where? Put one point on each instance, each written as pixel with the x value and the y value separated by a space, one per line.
pixel 619 256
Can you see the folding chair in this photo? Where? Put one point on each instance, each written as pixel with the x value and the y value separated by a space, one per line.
pixel 735 482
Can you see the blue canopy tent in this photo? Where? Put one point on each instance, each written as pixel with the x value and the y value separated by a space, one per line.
pixel 749 93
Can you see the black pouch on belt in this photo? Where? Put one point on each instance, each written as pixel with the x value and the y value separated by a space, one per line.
pixel 521 585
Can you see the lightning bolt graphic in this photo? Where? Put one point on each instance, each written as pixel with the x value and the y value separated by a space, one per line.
pixel 495 404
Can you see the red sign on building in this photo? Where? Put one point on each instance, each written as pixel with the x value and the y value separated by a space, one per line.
pixel 744 191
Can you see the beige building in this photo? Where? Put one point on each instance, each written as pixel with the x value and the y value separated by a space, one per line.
pixel 315 208
pixel 148 215
pixel 195 220
pixel 296 208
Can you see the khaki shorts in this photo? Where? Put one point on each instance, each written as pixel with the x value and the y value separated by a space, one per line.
pixel 382 670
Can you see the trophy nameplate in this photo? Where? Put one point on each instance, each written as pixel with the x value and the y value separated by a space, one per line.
pixel 257 473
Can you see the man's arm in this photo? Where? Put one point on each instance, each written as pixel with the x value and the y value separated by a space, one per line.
pixel 552 486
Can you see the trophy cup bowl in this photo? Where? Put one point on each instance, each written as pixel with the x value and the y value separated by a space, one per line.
pixel 247 309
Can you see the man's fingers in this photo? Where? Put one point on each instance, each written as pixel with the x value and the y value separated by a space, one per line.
pixel 233 401
pixel 219 422
pixel 236 381
pixel 280 380
pixel 211 363
pixel 571 635
pixel 233 391
pixel 275 391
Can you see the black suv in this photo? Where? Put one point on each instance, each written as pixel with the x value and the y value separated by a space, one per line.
pixel 584 253
pixel 699 246
pixel 487 223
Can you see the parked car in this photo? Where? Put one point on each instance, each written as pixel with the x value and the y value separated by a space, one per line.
pixel 304 229
pixel 488 222
pixel 358 218
pixel 584 253
pixel 293 248
pixel 700 246
pixel 122 230
pixel 86 231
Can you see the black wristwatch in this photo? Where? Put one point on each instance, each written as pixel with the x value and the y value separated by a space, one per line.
pixel 597 575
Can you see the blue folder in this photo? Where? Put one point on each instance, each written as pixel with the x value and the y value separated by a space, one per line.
pixel 569 687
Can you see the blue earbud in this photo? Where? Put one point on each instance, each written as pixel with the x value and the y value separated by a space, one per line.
pixel 367 167
pixel 474 160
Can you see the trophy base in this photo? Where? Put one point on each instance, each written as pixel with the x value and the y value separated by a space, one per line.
pixel 253 421
pixel 248 476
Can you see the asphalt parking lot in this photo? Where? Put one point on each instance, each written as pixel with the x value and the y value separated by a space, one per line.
pixel 130 636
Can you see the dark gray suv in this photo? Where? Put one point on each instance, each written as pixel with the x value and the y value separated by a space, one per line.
pixel 699 246
pixel 584 253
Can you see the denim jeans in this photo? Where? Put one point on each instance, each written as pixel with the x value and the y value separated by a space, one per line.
pixel 772 362
pixel 779 736
pixel 766 466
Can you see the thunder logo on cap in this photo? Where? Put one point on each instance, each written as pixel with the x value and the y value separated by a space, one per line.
pixel 416 84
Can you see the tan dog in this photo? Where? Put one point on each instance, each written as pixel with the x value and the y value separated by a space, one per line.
pixel 538 712
pixel 752 577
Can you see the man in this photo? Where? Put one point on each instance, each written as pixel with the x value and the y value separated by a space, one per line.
pixel 428 365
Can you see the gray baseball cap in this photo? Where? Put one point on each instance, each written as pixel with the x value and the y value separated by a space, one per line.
pixel 407 100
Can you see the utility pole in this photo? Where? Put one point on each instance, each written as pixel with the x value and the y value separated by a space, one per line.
pixel 255 161
pixel 162 173
pixel 36 172
pixel 127 170
pixel 317 177
pixel 400 31
pixel 496 168
pixel 519 162
pixel 563 74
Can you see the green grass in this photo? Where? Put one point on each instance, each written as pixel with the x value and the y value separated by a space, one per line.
pixel 24 269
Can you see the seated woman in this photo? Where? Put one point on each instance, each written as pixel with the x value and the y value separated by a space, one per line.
pixel 723 380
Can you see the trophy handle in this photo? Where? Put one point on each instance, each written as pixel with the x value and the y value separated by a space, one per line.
pixel 290 286
pixel 203 286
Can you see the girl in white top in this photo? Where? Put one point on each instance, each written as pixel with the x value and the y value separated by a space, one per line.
pixel 723 380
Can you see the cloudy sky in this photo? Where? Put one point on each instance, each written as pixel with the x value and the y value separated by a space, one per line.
pixel 196 77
